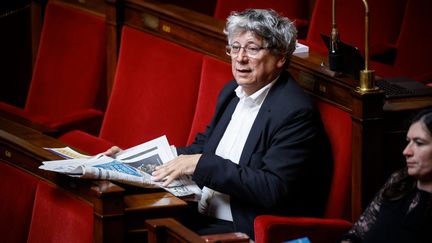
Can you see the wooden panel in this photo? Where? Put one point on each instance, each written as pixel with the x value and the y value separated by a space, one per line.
pixel 95 6
pixel 149 206
pixel 174 23
pixel 23 148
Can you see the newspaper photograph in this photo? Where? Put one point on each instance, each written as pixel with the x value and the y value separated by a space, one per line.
pixel 132 166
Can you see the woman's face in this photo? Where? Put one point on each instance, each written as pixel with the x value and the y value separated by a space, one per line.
pixel 254 72
pixel 418 152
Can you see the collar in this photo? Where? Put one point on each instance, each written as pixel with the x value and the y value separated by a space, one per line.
pixel 256 98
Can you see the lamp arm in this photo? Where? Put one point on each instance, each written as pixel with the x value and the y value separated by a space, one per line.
pixel 367 25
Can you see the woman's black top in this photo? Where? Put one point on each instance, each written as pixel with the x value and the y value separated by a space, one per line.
pixel 407 219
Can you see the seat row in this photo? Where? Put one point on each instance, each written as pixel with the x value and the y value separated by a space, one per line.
pixel 399 33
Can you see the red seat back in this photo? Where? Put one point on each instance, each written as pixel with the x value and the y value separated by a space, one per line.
pixel 295 9
pixel 338 126
pixel 60 217
pixel 154 92
pixel 17 192
pixel 336 221
pixel 414 45
pixel 70 65
pixel 385 21
pixel 214 75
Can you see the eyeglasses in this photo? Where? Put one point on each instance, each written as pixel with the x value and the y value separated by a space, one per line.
pixel 251 49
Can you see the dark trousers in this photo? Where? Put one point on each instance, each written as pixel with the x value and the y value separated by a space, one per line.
pixel 203 224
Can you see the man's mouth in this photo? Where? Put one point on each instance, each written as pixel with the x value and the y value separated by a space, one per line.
pixel 243 70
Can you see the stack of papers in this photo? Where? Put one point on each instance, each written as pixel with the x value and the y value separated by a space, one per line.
pixel 132 166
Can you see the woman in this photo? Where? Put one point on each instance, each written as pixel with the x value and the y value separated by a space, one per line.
pixel 402 210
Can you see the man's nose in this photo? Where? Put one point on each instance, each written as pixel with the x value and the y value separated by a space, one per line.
pixel 242 55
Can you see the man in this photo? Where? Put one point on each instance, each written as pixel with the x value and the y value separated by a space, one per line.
pixel 265 150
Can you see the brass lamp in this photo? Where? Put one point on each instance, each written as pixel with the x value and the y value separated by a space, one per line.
pixel 367 76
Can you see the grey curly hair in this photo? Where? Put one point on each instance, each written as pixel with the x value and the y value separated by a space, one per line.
pixel 278 32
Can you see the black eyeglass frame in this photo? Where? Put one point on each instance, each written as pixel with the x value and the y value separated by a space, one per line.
pixel 251 49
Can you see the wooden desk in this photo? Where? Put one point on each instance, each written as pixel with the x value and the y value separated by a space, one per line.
pixel 379 124
pixel 119 211
pixel 319 81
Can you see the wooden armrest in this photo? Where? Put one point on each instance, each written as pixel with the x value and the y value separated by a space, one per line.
pixel 26 122
pixel 170 230
pixel 236 237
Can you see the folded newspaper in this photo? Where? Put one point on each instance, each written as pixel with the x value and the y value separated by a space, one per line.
pixel 132 166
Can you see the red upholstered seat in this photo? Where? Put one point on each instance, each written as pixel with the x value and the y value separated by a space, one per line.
pixel 334 224
pixel 17 192
pixel 414 45
pixel 385 22
pixel 297 10
pixel 214 75
pixel 69 70
pixel 154 93
pixel 86 142
pixel 60 217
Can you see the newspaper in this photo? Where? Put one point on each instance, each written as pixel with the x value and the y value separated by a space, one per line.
pixel 132 166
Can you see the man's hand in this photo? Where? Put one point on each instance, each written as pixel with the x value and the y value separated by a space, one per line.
pixel 182 165
pixel 112 152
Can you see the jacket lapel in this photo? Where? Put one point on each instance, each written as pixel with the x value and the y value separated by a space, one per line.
pixel 261 120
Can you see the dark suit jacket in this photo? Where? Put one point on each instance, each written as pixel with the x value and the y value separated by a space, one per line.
pixel 285 167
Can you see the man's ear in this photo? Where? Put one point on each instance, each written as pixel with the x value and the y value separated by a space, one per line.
pixel 281 61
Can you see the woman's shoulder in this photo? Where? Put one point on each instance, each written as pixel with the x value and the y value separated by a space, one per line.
pixel 398 176
pixel 399 185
